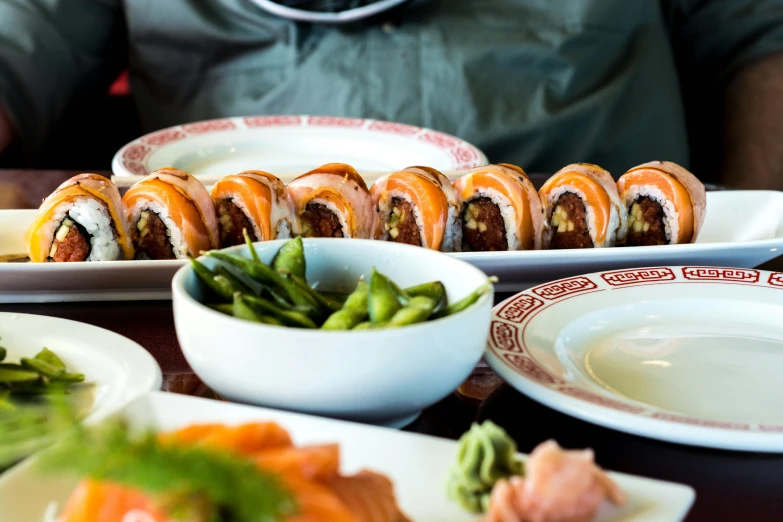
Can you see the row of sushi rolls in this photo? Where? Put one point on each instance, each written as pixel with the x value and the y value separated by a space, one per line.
pixel 169 214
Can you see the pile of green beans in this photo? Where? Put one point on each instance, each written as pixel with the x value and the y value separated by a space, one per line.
pixel 43 374
pixel 279 294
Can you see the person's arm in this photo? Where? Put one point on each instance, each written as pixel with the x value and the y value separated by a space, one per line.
pixel 48 50
pixel 729 56
pixel 753 129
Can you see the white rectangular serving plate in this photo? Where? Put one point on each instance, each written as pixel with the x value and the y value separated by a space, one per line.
pixel 742 229
pixel 417 464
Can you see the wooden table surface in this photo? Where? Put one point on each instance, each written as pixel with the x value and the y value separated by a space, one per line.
pixel 729 485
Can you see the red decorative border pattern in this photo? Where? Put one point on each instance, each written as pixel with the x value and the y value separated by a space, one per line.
pixel 731 275
pixel 204 127
pixel 505 336
pixel 517 308
pixel 564 287
pixel 253 122
pixel 638 276
pixel 776 279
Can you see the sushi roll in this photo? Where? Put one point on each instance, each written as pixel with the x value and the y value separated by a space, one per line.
pixel 83 220
pixel 665 202
pixel 499 209
pixel 417 206
pixel 256 201
pixel 333 201
pixel 582 209
pixel 171 216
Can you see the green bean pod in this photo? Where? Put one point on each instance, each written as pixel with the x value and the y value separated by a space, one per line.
pixel 207 276
pixel 289 317
pixel 291 258
pixel 267 275
pixel 235 282
pixel 418 310
pixel 382 302
pixel 242 310
pixel 327 304
pixel 367 325
pixel 434 290
pixel 468 300
pixel 250 247
pixel 353 312
pixel 223 308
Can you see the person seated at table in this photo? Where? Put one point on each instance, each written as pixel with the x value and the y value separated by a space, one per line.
pixel 539 84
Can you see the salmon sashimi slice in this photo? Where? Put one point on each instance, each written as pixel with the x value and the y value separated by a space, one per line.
pixel 369 496
pixel 317 502
pixel 247 439
pixel 309 462
pixel 105 502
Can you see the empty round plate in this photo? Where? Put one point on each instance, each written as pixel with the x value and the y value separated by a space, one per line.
pixel 292 145
pixel 683 354
pixel 119 369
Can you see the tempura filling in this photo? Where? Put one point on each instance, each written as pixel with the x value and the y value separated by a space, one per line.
pixel 483 226
pixel 646 223
pixel 402 226
pixel 568 222
pixel 151 237
pixel 318 220
pixel 71 242
pixel 233 221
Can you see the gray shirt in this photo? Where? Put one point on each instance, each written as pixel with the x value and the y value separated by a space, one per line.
pixel 539 83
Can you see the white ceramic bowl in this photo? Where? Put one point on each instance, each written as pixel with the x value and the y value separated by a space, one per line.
pixel 383 377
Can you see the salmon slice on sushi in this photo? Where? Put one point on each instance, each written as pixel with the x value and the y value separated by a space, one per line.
pixel 255 201
pixel 582 209
pixel 499 209
pixel 171 216
pixel 666 204
pixel 333 201
pixel 83 220
pixel 417 206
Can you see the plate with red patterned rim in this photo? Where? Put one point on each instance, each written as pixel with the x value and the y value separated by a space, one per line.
pixel 290 145
pixel 686 354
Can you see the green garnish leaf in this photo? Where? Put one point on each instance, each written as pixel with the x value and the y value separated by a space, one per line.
pixel 224 483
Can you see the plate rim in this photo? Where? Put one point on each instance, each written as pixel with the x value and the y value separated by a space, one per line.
pixel 130 159
pixel 523 372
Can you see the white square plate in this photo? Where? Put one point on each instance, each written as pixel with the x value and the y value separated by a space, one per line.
pixel 417 464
